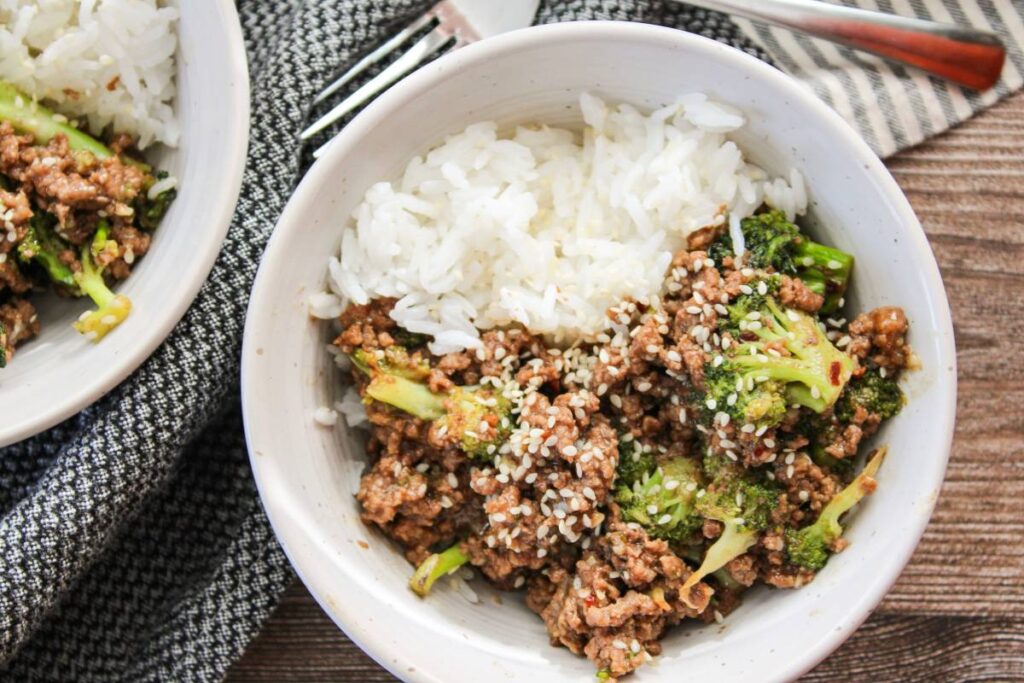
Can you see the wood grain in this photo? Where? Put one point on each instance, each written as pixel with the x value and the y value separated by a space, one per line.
pixel 957 612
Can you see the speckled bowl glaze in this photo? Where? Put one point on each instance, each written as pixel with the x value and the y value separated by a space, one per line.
pixel 307 474
pixel 60 372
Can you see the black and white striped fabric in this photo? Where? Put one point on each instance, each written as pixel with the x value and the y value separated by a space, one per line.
pixel 132 543
pixel 891 106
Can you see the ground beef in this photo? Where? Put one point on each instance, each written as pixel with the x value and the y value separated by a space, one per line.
pixel 881 337
pixel 11 276
pixel 71 186
pixel 368 326
pixel 15 213
pixel 614 620
pixel 132 244
pixel 795 294
pixel 846 442
pixel 20 323
pixel 807 485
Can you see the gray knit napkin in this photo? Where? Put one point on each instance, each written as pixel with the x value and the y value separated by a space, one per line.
pixel 132 543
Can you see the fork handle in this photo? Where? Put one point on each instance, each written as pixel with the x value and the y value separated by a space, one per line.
pixel 966 56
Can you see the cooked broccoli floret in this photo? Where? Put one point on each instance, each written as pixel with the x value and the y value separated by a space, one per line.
pixel 760 403
pixel 112 308
pixel 43 247
pixel 436 566
pixel 744 507
pixel 662 500
pixel 28 116
pixel 476 416
pixel 772 241
pixel 634 461
pixel 809 546
pixel 876 394
pixel 784 350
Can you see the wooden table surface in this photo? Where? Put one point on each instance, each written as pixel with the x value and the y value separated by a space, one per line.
pixel 957 612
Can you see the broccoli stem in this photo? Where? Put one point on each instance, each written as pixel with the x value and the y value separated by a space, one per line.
pixel 112 309
pixel 851 495
pixel 735 540
pixel 436 566
pixel 28 116
pixel 405 394
pixel 808 547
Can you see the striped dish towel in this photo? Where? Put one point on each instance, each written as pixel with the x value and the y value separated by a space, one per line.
pixel 891 106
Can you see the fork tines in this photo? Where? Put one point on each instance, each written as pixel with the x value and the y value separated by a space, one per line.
pixel 450 30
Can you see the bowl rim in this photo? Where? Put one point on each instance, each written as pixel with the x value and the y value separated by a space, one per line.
pixel 236 100
pixel 347 618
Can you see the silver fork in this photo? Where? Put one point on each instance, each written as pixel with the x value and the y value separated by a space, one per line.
pixel 966 56
pixel 456 23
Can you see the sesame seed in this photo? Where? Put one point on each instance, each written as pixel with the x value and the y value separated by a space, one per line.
pixel 804 496
pixel 618 644
pixel 711 404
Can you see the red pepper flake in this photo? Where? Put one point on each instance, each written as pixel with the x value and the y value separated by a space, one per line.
pixel 748 336
pixel 834 371
pixel 590 600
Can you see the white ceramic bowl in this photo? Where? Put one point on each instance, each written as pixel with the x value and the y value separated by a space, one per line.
pixel 307 474
pixel 60 372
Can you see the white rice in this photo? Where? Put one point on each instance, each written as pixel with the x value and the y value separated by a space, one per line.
pixel 544 226
pixel 110 62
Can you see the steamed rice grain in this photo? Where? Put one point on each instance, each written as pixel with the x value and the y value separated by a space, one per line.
pixel 547 227
pixel 109 62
